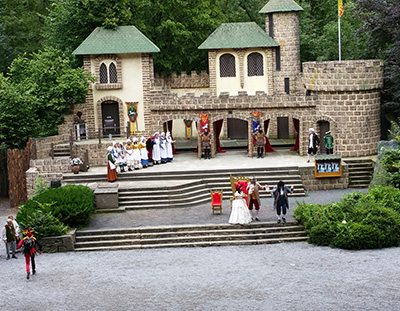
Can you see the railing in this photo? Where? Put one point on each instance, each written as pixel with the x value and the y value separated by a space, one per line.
pixel 76 134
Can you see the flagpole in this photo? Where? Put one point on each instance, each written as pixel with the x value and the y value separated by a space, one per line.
pixel 340 52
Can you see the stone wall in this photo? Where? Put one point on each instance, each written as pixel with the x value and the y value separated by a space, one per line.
pixel 43 145
pixel 311 183
pixel 184 80
pixel 56 244
pixel 33 173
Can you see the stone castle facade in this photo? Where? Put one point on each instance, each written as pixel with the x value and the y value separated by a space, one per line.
pixel 343 97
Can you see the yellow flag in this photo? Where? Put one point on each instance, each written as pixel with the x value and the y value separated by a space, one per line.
pixel 340 8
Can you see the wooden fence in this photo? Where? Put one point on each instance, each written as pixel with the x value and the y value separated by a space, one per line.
pixel 17 165
pixel 3 173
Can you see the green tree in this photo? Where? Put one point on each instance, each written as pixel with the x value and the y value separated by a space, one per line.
pixel 18 121
pixel 54 84
pixel 21 28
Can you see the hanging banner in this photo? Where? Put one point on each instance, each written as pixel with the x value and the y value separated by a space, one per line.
pixel 256 118
pixel 188 124
pixel 204 122
pixel 132 108
pixel 340 8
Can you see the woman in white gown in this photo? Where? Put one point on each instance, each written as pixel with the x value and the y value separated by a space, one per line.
pixel 240 213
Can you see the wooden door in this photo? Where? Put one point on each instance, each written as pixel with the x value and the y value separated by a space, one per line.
pixel 237 129
pixel 110 118
pixel 323 127
pixel 283 127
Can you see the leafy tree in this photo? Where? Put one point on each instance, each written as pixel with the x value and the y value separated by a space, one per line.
pixel 382 26
pixel 48 78
pixel 21 28
pixel 17 117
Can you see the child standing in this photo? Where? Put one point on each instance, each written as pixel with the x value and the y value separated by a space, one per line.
pixel 29 242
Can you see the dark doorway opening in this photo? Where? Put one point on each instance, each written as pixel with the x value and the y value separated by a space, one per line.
pixel 283 127
pixel 110 118
pixel 323 127
pixel 237 129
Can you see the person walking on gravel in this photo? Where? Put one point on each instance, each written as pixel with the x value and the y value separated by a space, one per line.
pixel 281 202
pixel 29 242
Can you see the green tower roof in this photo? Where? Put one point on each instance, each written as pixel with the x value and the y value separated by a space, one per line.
pixel 124 39
pixel 281 6
pixel 238 35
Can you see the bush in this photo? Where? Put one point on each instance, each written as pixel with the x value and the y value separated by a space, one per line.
pixel 55 209
pixel 358 221
pixel 44 224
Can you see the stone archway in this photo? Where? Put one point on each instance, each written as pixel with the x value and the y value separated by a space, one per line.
pixel 100 116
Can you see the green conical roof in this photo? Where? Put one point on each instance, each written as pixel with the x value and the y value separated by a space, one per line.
pixel 281 6
pixel 124 39
pixel 236 36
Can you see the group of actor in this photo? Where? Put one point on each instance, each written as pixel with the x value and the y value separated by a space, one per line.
pixel 242 206
pixel 136 154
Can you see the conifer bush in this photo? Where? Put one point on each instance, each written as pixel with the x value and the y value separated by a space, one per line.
pixel 55 209
pixel 358 221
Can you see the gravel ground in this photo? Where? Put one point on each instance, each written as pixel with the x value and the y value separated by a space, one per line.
pixel 295 276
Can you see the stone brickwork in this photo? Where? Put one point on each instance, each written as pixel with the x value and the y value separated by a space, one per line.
pixel 57 244
pixel 286 34
pixel 33 173
pixel 184 80
pixel 43 145
pixel 311 183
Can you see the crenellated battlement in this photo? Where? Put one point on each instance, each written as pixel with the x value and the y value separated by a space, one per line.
pixel 352 75
pixel 184 80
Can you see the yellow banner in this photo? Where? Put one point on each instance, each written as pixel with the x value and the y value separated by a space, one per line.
pixel 340 8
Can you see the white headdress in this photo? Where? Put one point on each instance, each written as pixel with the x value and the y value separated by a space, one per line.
pixel 128 140
pixel 109 148
pixel 311 130
pixel 134 139
pixel 142 138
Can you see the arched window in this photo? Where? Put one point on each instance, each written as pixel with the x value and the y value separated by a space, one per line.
pixel 113 73
pixel 227 67
pixel 103 73
pixel 255 65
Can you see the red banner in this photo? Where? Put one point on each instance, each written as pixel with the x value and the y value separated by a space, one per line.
pixel 204 122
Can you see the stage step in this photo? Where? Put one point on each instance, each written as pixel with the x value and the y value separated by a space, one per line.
pixel 188 236
pixel 360 172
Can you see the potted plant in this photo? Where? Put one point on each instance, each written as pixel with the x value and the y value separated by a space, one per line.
pixel 75 165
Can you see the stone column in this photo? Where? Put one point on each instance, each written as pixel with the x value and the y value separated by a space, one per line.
pixel 212 63
pixel 240 53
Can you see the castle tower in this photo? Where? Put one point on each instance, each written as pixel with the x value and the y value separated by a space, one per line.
pixel 282 25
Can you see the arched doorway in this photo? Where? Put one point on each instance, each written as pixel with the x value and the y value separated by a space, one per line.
pixel 110 118
pixel 237 129
pixel 323 126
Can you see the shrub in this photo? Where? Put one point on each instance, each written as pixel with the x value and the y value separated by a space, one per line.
pixel 53 210
pixel 358 221
pixel 44 224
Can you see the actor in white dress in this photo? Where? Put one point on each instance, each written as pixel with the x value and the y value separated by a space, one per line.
pixel 144 158
pixel 129 154
pixel 240 213
pixel 163 148
pixel 156 149
pixel 170 155
pixel 136 154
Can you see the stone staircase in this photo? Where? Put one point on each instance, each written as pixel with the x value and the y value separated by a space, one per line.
pixel 360 172
pixel 62 150
pixel 188 236
pixel 194 188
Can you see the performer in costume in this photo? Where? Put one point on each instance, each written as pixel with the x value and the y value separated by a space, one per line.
pixel 136 154
pixel 111 168
pixel 149 147
pixel 260 139
pixel 156 149
pixel 9 236
pixel 206 142
pixel 122 159
pixel 240 213
pixel 129 154
pixel 143 152
pixel 170 155
pixel 281 202
pixel 328 140
pixel 253 188
pixel 163 148
pixel 313 143
pixel 29 242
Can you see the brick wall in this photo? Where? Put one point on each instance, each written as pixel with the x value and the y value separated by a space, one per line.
pixel 184 80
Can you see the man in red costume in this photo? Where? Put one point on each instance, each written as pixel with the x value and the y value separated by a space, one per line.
pixel 253 198
pixel 29 242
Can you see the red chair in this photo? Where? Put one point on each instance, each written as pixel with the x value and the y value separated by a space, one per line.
pixel 216 200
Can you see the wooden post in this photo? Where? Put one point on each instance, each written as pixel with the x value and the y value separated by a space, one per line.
pixel 52 151
pixel 99 135
pixel 87 157
pixel 250 137
pixel 71 152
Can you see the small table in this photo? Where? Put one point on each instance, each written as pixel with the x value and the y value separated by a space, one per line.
pixel 329 165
